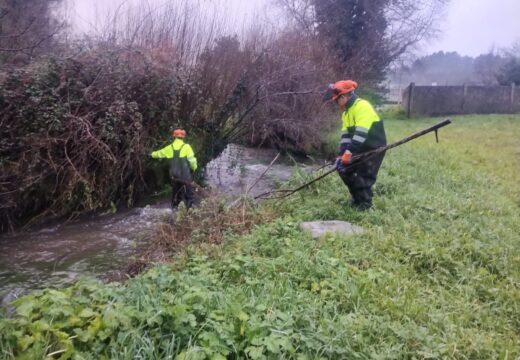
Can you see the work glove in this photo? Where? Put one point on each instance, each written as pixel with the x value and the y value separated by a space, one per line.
pixel 346 157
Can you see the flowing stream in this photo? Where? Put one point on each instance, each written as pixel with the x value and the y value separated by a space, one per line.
pixel 92 246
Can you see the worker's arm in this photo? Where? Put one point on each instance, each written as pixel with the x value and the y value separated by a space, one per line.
pixel 345 142
pixel 165 152
pixel 190 155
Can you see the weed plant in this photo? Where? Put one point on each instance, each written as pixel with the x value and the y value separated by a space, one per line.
pixel 435 275
pixel 207 223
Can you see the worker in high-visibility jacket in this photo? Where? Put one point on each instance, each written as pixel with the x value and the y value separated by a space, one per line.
pixel 362 130
pixel 182 164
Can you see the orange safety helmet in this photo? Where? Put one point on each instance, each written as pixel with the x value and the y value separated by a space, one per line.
pixel 342 87
pixel 179 133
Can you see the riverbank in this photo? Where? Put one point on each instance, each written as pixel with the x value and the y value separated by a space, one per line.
pixel 115 244
pixel 435 274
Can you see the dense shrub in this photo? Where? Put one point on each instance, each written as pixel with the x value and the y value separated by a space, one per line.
pixel 76 132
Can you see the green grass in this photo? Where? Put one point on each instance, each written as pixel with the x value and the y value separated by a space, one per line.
pixel 435 275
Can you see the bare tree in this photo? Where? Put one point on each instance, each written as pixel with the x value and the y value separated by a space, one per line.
pixel 183 28
pixel 288 81
pixel 302 14
pixel 27 28
pixel 366 35
pixel 412 21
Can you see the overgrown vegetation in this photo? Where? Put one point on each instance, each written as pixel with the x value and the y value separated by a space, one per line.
pixel 207 223
pixel 77 126
pixel 77 129
pixel 82 138
pixel 435 275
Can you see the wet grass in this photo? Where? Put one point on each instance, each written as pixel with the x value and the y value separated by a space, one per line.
pixel 435 275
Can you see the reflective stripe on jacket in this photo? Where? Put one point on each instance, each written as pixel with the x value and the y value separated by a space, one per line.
pixel 185 152
pixel 361 128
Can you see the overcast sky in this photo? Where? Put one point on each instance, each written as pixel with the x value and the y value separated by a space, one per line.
pixel 471 27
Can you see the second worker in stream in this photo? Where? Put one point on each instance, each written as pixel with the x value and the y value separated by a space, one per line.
pixel 361 131
pixel 182 164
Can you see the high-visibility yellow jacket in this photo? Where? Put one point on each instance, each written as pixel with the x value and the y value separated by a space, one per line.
pixel 185 152
pixel 361 129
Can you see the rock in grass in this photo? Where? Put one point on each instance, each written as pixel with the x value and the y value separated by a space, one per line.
pixel 320 228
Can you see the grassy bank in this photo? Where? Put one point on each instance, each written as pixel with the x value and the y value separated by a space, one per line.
pixel 435 275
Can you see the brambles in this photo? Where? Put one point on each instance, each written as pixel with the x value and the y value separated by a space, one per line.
pixel 76 132
pixel 81 139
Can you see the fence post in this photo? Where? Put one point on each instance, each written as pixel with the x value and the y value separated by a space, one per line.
pixel 410 99
pixel 512 97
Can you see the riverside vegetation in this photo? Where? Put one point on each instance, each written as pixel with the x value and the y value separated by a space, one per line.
pixel 435 275
pixel 79 114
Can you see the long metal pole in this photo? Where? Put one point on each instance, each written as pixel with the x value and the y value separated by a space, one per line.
pixel 356 160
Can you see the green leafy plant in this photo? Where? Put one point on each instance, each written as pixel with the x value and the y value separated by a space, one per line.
pixel 434 275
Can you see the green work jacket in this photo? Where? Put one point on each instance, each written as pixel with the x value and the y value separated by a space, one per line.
pixel 185 152
pixel 361 129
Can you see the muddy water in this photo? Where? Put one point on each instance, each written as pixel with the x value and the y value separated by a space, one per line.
pixel 55 256
pixel 238 169
pixel 58 255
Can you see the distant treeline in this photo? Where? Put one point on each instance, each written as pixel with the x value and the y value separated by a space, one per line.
pixel 450 68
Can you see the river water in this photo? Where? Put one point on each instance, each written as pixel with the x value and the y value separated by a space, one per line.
pixel 57 255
